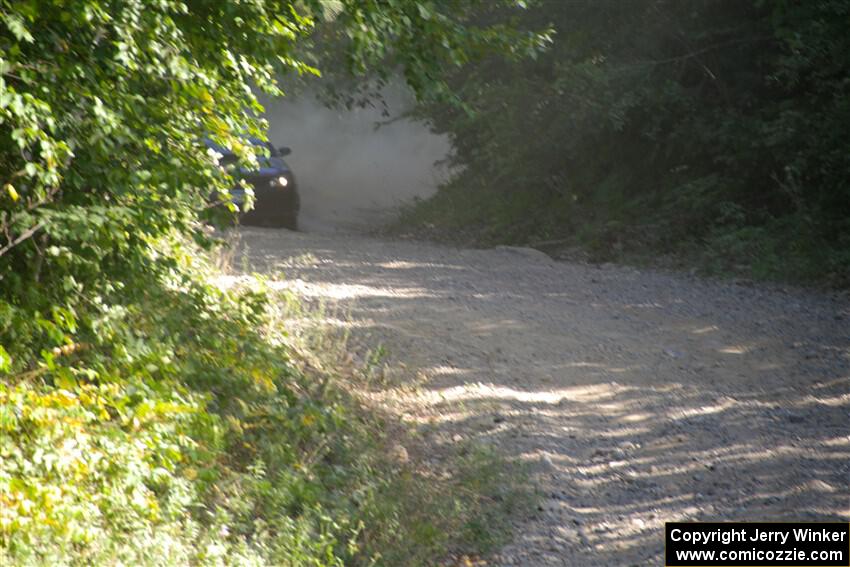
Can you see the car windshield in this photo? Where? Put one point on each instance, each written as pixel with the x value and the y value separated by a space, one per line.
pixel 228 154
pixel 259 143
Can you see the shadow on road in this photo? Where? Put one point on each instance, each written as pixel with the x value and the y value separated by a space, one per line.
pixel 638 397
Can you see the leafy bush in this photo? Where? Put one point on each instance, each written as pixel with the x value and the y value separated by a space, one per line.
pixel 156 430
pixel 656 117
pixel 194 437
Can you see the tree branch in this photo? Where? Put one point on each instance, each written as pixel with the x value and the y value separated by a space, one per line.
pixel 29 233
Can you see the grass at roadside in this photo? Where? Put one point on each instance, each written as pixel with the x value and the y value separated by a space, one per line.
pixel 201 431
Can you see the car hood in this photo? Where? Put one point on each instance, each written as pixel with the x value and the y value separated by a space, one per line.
pixel 268 167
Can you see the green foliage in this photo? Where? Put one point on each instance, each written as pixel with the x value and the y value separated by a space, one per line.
pixel 647 122
pixel 147 417
pixel 191 436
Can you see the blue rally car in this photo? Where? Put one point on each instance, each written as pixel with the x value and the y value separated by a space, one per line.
pixel 276 200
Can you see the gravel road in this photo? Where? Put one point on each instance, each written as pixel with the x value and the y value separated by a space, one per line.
pixel 638 397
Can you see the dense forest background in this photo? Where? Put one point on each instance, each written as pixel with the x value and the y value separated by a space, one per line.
pixel 710 132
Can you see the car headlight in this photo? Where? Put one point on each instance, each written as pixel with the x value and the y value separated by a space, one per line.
pixel 281 181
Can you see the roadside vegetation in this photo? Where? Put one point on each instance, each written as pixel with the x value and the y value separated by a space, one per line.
pixel 706 134
pixel 147 416
pixel 208 433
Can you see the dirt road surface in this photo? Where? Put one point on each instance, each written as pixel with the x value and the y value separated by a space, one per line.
pixel 637 397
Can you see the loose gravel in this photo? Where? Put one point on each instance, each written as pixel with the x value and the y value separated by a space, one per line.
pixel 638 397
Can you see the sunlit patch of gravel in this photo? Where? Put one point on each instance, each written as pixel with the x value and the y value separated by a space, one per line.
pixel 639 397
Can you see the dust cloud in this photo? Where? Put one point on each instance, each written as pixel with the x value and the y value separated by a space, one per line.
pixel 350 174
